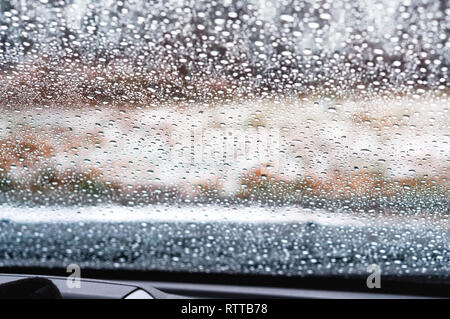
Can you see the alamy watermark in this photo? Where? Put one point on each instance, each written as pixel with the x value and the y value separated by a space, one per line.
pixel 374 279
pixel 224 145
pixel 74 279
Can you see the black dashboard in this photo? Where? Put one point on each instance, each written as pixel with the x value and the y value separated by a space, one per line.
pixel 126 289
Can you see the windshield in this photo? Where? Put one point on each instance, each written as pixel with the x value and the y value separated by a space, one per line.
pixel 289 138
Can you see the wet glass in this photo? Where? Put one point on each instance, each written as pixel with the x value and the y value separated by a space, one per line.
pixel 260 137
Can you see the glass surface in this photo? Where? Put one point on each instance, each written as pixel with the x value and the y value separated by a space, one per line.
pixel 254 137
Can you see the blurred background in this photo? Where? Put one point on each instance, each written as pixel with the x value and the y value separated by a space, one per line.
pixel 321 104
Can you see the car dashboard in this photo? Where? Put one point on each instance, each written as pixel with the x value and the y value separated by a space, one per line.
pixel 125 289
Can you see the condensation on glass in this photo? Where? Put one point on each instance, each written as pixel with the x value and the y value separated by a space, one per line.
pixel 270 137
